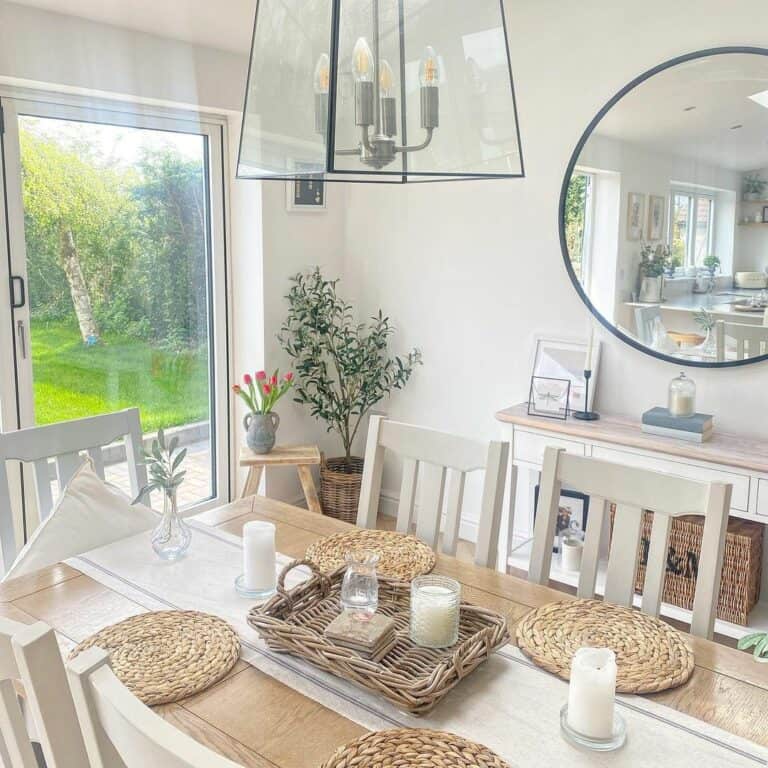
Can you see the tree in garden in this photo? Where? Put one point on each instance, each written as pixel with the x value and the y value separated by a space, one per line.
pixel 78 217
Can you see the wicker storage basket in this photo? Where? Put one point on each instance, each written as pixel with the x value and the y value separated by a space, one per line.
pixel 742 564
pixel 340 487
pixel 414 679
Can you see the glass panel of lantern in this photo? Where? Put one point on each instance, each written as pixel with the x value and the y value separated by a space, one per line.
pixel 418 90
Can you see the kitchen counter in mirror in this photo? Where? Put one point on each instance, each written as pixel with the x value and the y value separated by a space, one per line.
pixel 720 303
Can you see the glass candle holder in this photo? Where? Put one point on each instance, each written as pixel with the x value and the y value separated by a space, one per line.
pixel 682 396
pixel 360 587
pixel 435 603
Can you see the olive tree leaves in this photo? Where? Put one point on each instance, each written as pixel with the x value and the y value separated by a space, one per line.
pixel 343 367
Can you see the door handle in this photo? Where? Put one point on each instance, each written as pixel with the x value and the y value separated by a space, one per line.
pixel 16 280
pixel 21 334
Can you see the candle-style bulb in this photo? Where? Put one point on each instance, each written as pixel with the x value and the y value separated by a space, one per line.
pixel 362 61
pixel 429 68
pixel 323 74
pixel 386 79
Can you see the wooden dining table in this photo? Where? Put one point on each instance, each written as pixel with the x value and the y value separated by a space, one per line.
pixel 255 720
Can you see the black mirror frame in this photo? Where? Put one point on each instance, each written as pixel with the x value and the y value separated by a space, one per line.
pixel 678 361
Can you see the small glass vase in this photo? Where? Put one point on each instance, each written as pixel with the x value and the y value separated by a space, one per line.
pixel 360 587
pixel 171 538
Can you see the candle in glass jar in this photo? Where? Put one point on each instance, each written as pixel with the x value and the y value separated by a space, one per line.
pixel 572 550
pixel 435 611
pixel 259 556
pixel 592 692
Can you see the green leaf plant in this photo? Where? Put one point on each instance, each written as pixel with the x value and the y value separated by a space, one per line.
pixel 758 641
pixel 343 368
pixel 164 464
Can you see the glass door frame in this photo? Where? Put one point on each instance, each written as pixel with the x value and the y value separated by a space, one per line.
pixel 16 392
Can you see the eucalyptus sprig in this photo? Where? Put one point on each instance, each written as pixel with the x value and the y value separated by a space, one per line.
pixel 163 462
pixel 758 641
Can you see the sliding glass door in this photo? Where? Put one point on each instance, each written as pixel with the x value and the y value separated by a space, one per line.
pixel 117 269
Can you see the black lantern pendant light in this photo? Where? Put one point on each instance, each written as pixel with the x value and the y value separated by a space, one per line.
pixel 380 90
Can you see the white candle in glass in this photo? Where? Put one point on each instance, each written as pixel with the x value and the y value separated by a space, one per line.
pixel 592 692
pixel 572 551
pixel 259 556
pixel 435 604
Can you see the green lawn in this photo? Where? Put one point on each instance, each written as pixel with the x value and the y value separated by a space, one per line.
pixel 73 381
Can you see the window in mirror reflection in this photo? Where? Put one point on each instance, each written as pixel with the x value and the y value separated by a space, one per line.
pixel 692 228
pixel 578 222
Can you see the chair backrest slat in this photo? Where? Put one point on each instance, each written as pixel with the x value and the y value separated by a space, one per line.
pixel 633 490
pixel 405 505
pixel 120 731
pixel 751 340
pixel 97 458
pixel 64 442
pixel 31 654
pixel 622 561
pixel 430 459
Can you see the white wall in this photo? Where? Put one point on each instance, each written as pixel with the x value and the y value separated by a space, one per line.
pixel 471 271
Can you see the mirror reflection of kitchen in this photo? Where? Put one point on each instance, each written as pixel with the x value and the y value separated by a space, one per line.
pixel 666 219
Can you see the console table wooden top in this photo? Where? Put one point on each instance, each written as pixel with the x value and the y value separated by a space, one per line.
pixel 723 448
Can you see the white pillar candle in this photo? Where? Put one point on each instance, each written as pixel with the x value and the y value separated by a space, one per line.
pixel 592 692
pixel 259 556
pixel 588 359
pixel 571 554
pixel 435 604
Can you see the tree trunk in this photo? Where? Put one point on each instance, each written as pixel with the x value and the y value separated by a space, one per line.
pixel 70 262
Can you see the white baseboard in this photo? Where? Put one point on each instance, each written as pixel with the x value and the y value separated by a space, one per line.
pixel 389 501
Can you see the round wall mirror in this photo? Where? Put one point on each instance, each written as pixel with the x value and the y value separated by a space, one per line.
pixel 664 210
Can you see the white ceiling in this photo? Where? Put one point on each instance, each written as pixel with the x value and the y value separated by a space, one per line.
pixel 657 114
pixel 225 24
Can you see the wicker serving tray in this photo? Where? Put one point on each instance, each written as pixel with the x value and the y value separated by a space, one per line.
pixel 414 679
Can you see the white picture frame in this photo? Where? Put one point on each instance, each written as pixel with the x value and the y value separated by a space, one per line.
pixel 657 210
pixel 635 215
pixel 300 189
pixel 567 359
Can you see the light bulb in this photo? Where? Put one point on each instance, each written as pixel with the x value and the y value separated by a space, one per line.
pixel 323 74
pixel 386 79
pixel 429 71
pixel 362 61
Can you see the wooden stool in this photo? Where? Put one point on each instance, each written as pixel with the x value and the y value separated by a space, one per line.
pixel 300 456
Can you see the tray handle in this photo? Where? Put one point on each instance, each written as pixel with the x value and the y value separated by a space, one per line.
pixel 325 582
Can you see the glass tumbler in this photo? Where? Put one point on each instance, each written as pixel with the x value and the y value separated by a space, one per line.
pixel 360 587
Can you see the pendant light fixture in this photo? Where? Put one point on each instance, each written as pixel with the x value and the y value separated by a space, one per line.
pixel 380 90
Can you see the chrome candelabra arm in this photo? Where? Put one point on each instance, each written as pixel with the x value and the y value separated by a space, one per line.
pixel 418 147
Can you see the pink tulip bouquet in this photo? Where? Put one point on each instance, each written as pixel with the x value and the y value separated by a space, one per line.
pixel 261 394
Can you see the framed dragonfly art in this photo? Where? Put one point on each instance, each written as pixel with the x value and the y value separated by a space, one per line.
pixel 549 397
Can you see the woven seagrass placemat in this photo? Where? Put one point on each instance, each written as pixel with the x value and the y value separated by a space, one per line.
pixel 167 655
pixel 400 556
pixel 413 748
pixel 650 655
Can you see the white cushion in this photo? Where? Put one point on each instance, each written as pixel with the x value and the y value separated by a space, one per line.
pixel 89 513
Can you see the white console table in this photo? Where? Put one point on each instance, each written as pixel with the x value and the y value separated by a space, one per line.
pixel 743 462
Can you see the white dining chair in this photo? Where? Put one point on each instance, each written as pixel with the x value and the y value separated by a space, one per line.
pixel 645 323
pixel 120 731
pixel 633 490
pixel 30 654
pixel 65 443
pixel 428 456
pixel 751 340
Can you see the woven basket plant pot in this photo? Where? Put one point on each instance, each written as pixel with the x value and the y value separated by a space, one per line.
pixel 340 480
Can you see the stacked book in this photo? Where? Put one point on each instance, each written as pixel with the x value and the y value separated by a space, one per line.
pixel 371 637
pixel 695 429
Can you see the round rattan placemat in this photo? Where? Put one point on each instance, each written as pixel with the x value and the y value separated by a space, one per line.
pixel 651 656
pixel 400 556
pixel 413 748
pixel 167 655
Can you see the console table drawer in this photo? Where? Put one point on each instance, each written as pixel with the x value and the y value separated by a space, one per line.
pixel 530 446
pixel 671 466
pixel 762 497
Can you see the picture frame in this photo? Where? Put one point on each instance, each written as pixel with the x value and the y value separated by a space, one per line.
pixel 308 195
pixel 566 359
pixel 572 505
pixel 549 397
pixel 635 215
pixel 657 209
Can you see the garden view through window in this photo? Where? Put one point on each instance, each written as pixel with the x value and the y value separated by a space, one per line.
pixel 116 227
pixel 577 213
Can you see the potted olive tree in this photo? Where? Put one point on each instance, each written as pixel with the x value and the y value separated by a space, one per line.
pixel 343 368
